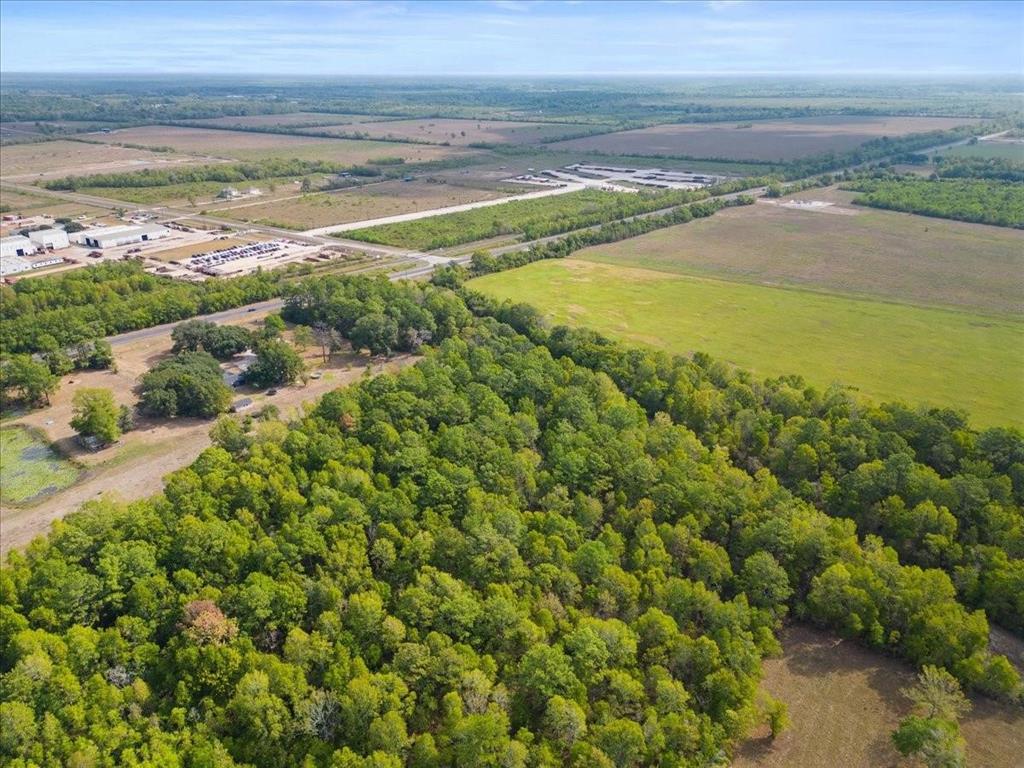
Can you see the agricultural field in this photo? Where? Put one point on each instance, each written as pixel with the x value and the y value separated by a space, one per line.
pixel 763 140
pixel 286 120
pixel 52 159
pixel 887 351
pixel 359 204
pixel 845 700
pixel 893 256
pixel 30 467
pixel 244 145
pixel 464 132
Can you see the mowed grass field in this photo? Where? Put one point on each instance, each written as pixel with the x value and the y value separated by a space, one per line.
pixel 845 700
pixel 769 140
pixel 361 204
pixel 244 145
pixel 842 248
pixel 886 350
pixel 30 467
pixel 460 132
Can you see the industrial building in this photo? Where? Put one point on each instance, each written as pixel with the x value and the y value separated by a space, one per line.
pixel 12 265
pixel 16 245
pixel 49 239
pixel 111 237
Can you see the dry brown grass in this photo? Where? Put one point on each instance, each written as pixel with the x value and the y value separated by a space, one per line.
pixel 771 140
pixel 845 701
pixel 891 255
pixel 459 132
pixel 52 159
pixel 243 145
pixel 370 202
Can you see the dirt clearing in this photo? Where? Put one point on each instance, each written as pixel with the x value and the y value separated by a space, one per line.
pixel 844 701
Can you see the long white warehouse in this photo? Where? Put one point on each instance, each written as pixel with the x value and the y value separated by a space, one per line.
pixel 111 237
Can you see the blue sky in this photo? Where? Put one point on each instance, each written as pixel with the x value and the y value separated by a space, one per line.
pixel 510 37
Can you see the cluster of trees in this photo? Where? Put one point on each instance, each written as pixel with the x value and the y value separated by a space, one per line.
pixel 96 414
pixel 940 494
pixel 188 384
pixel 32 378
pixel 932 731
pixel 376 315
pixel 979 201
pixel 994 168
pixel 86 304
pixel 498 557
pixel 531 219
pixel 221 341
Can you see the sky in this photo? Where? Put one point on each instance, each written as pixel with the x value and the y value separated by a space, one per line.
pixel 513 37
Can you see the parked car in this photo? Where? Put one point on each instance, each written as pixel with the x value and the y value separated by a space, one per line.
pixel 271 391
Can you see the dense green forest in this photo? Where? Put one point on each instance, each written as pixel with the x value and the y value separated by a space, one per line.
pixel 113 298
pixel 982 202
pixel 542 549
pixel 979 168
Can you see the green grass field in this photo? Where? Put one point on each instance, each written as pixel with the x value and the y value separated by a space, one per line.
pixel 886 350
pixel 1002 150
pixel 30 467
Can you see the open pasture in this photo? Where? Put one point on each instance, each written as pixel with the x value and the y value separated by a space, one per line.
pixel 458 132
pixel 245 145
pixel 888 351
pixel 998 149
pixel 371 201
pixel 765 140
pixel 860 251
pixel 844 700
pixel 53 159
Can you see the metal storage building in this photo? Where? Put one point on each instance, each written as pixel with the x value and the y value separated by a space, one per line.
pixel 111 237
pixel 49 238
pixel 16 245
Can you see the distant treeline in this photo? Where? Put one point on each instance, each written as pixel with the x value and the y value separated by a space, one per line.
pixel 981 202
